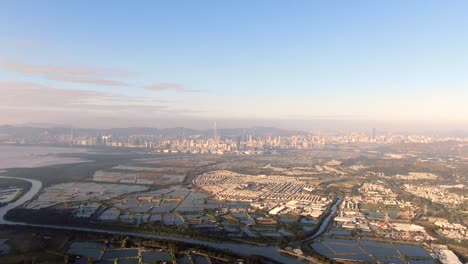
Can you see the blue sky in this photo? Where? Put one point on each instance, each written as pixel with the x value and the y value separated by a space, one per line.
pixel 366 60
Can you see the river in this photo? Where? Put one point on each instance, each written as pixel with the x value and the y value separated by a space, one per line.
pixel 35 188
pixel 270 252
pixel 13 156
pixel 326 223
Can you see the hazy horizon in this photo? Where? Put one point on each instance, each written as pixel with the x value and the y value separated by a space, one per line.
pixel 312 126
pixel 309 65
pixel 248 131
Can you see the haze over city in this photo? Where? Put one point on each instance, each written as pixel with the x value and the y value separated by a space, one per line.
pixel 305 65
pixel 233 132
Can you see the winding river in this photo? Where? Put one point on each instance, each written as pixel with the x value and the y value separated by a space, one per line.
pixel 327 222
pixel 241 249
pixel 35 188
pixel 270 252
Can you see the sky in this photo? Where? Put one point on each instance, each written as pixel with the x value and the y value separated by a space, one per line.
pixel 190 63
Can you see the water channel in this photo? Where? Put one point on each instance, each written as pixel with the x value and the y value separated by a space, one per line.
pixel 270 252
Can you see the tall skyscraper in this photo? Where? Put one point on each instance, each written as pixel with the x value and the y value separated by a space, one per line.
pixel 373 133
pixel 71 136
pixel 215 132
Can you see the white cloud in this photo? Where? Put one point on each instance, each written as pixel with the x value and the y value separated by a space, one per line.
pixel 86 75
pixel 170 86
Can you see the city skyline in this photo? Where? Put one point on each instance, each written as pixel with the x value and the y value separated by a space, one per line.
pixel 304 66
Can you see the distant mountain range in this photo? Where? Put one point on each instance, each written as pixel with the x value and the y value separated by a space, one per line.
pixel 34 129
pixel 176 131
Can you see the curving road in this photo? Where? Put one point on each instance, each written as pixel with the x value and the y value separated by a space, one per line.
pixel 270 252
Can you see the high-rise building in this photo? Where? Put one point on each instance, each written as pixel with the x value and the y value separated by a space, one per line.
pixel 215 132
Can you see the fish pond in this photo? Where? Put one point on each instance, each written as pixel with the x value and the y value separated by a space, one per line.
pixel 371 251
